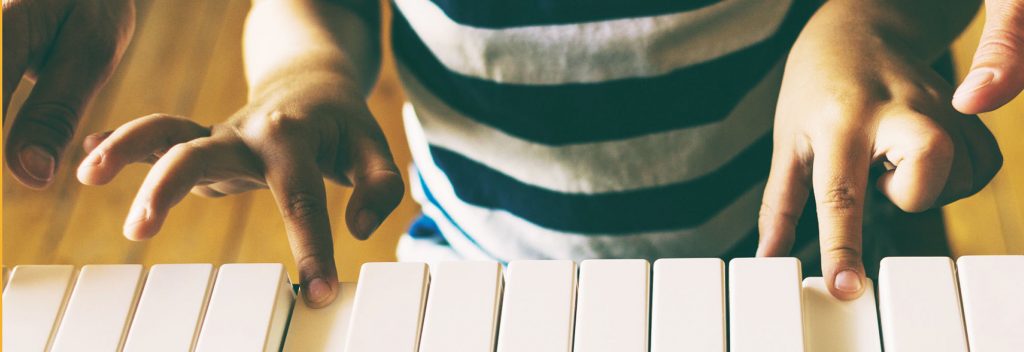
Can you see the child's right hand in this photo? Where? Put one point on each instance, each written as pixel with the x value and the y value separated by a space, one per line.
pixel 288 139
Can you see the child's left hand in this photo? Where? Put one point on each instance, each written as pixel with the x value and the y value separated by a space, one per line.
pixel 850 101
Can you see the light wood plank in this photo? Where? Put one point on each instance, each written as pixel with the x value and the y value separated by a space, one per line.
pixel 176 44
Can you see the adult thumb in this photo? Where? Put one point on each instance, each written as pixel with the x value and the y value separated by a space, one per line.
pixel 997 71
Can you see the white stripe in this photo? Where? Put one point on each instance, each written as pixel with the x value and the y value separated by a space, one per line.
pixel 594 51
pixel 509 237
pixel 646 161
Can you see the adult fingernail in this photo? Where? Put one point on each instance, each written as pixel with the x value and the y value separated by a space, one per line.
pixel 319 291
pixel 366 223
pixel 37 162
pixel 848 281
pixel 975 80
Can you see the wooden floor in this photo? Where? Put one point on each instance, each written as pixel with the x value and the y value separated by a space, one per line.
pixel 185 59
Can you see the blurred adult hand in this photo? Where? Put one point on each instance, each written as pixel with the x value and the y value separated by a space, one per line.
pixel 997 73
pixel 69 48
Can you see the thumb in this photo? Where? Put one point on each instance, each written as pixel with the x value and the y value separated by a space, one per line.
pixel 377 183
pixel 997 72
pixel 73 72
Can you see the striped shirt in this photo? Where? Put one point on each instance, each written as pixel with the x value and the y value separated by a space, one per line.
pixel 597 129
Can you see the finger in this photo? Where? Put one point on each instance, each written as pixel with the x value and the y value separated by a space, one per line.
pixel 295 180
pixel 378 186
pixel 784 198
pixel 175 174
pixel 70 77
pixel 165 185
pixel 923 155
pixel 840 179
pixel 997 72
pixel 93 140
pixel 133 142
pixel 229 187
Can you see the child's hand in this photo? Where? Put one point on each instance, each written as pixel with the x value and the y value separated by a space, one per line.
pixel 848 103
pixel 286 140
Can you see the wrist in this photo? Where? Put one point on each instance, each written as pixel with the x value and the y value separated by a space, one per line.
pixel 310 79
pixel 921 29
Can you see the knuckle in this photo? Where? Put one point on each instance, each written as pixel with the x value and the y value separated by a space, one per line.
pixel 936 144
pixel 771 219
pixel 843 254
pixel 278 125
pixel 841 196
pixel 303 207
pixel 56 118
pixel 185 149
pixel 312 258
pixel 191 150
pixel 1000 42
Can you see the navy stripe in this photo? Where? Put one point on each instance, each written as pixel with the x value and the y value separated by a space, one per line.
pixel 430 198
pixel 515 13
pixel 591 112
pixel 676 206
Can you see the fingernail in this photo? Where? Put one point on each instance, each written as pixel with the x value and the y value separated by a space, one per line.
pixel 37 162
pixel 367 222
pixel 975 80
pixel 319 290
pixel 848 281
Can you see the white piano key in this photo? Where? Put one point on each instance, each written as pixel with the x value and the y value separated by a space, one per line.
pixel 537 312
pixel 248 309
pixel 612 307
pixel 321 329
pixel 32 305
pixel 765 305
pixel 388 311
pixel 462 307
pixel 99 309
pixel 993 300
pixel 170 308
pixel 688 308
pixel 833 325
pixel 919 305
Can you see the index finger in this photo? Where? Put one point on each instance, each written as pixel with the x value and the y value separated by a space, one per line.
pixel 840 176
pixel 296 183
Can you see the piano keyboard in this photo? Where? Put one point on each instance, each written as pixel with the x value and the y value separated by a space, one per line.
pixel 924 304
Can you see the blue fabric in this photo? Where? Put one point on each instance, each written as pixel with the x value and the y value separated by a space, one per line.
pixel 673 206
pixel 592 112
pixel 514 13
